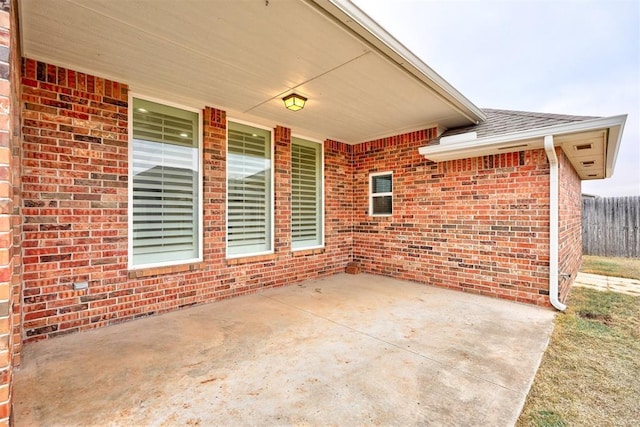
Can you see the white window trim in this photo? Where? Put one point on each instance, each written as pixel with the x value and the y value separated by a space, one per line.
pixel 272 185
pixel 372 195
pixel 130 265
pixel 322 198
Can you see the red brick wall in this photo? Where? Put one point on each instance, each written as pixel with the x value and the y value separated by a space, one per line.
pixel 10 223
pixel 478 225
pixel 569 224
pixel 339 191
pixel 75 199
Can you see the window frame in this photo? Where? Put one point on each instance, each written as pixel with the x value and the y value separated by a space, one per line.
pixel 373 195
pixel 321 215
pixel 200 180
pixel 271 196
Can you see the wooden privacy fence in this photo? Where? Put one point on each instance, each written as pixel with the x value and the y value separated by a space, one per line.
pixel 611 226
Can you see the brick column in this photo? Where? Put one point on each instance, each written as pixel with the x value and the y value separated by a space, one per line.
pixel 215 186
pixel 282 170
pixel 10 224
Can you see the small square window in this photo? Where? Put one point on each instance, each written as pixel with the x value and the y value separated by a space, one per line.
pixel 381 194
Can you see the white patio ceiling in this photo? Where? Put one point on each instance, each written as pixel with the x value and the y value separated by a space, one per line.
pixel 243 56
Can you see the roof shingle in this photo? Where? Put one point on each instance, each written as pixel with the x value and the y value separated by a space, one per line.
pixel 500 122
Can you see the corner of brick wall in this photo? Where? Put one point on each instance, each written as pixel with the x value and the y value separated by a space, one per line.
pixel 569 224
pixel 480 225
pixel 338 159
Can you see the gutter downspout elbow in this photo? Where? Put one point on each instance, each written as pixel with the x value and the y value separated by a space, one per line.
pixel 553 223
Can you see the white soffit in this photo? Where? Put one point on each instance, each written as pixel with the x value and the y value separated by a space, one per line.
pixel 590 145
pixel 244 56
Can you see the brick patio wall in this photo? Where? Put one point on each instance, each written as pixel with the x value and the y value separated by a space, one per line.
pixel 75 166
pixel 480 225
pixel 569 224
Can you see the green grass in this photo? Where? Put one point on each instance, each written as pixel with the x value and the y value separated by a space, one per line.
pixel 618 267
pixel 590 373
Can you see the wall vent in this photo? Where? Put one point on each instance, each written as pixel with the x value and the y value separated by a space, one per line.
pixel 583 147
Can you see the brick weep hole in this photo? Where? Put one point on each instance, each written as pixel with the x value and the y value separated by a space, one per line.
pixel 478 225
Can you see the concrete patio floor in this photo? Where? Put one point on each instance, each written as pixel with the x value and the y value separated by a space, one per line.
pixel 344 350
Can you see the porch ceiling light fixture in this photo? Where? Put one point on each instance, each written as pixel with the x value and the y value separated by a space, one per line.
pixel 294 102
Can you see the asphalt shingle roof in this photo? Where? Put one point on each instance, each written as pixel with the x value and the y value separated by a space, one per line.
pixel 500 122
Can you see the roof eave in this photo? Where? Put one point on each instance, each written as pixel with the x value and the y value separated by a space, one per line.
pixel 529 140
pixel 613 145
pixel 359 22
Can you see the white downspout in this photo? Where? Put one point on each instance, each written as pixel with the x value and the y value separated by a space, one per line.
pixel 553 223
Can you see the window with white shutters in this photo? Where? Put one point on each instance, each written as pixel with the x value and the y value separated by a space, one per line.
pixel 381 194
pixel 306 194
pixel 249 193
pixel 164 206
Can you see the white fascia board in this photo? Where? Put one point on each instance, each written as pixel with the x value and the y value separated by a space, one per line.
pixel 462 137
pixel 368 29
pixel 527 140
pixel 613 146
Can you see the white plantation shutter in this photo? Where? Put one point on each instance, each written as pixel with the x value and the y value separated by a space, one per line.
pixel 165 191
pixel 248 190
pixel 306 194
